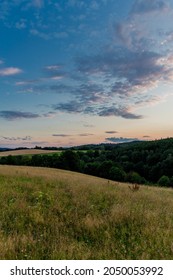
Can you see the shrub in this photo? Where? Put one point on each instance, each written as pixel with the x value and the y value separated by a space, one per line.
pixel 164 181
pixel 117 174
pixel 134 177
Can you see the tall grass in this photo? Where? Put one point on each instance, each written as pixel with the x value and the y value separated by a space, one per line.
pixel 56 214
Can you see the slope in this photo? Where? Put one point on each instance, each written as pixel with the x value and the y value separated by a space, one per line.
pixel 57 214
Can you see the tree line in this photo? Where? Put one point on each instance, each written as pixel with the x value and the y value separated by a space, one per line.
pixel 143 162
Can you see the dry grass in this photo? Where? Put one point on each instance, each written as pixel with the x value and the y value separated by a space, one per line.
pixel 56 214
pixel 27 152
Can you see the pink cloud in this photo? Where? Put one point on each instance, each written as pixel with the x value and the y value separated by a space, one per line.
pixel 10 71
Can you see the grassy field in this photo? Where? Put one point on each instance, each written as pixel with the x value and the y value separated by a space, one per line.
pixel 27 152
pixel 55 214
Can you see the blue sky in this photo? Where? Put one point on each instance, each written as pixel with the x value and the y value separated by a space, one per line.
pixel 76 72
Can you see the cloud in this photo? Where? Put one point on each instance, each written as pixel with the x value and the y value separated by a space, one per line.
pixel 103 111
pixel 40 34
pixel 119 112
pixel 25 138
pixel 146 136
pixel 148 6
pixel 120 75
pixel 9 71
pixel 94 5
pixel 111 132
pixel 69 135
pixel 15 115
pixel 61 135
pixel 54 71
pixel 53 68
pixel 21 24
pixel 121 139
pixel 38 3
pixel 23 83
pixel 126 72
pixel 85 134
pixel 35 3
pixel 71 107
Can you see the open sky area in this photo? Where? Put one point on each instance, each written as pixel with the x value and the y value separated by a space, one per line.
pixel 77 72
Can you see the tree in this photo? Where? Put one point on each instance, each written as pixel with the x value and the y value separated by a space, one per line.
pixel 117 174
pixel 70 160
pixel 134 177
pixel 104 169
pixel 164 181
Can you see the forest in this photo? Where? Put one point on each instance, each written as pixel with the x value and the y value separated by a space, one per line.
pixel 142 162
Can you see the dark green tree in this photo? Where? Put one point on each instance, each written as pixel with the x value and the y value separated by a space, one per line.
pixel 117 174
pixel 164 181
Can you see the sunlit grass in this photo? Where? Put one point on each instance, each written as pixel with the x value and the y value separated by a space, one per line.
pixel 55 214
pixel 27 152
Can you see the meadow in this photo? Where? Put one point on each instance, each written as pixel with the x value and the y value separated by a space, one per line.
pixel 27 152
pixel 56 214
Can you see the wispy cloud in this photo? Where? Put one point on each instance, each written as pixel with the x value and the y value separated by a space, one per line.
pixel 69 135
pixel 16 115
pixel 128 70
pixel 85 134
pixel 111 131
pixel 52 68
pixel 119 112
pixel 40 34
pixel 10 71
pixel 25 138
pixel 119 76
pixel 55 71
pixel 148 6
pixel 35 4
pixel 71 107
pixel 61 135
pixel 38 3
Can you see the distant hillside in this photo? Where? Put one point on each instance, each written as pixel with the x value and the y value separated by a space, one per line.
pixel 56 214
pixel 142 162
pixel 4 149
pixel 17 152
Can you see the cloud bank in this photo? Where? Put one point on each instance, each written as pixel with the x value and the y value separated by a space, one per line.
pixel 15 115
pixel 124 76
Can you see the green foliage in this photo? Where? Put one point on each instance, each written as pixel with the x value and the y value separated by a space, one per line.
pixel 164 181
pixel 117 174
pixel 139 162
pixel 134 177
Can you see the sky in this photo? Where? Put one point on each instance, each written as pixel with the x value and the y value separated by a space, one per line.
pixel 76 72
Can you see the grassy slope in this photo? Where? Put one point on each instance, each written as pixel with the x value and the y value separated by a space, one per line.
pixel 55 214
pixel 27 152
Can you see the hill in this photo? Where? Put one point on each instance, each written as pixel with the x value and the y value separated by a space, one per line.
pixel 17 152
pixel 142 162
pixel 57 214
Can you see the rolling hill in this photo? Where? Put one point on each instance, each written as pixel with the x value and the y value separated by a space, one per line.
pixel 56 214
pixel 26 152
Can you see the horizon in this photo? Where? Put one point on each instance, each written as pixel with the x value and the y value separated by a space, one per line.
pixel 87 144
pixel 77 72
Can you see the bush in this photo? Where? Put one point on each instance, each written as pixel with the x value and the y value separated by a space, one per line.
pixel 164 181
pixel 117 174
pixel 134 177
